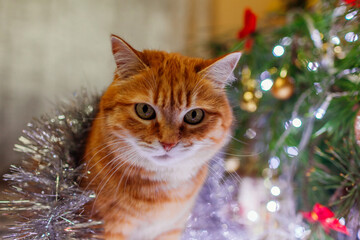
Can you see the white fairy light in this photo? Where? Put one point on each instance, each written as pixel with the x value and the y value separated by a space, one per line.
pixel 286 41
pixel 252 216
pixel 250 133
pixel 292 151
pixel 318 88
pixel 266 84
pixel 272 206
pixel 351 37
pixel 278 51
pixel 342 221
pixel 232 164
pixel 274 162
pixel 320 112
pixel 335 40
pixel 350 15
pixel 299 232
pixel 312 66
pixel 316 37
pixel 296 122
pixel 275 190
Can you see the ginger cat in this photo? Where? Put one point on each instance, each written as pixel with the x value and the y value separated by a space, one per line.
pixel 159 123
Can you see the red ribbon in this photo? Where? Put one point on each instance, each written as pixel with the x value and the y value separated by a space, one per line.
pixel 355 3
pixel 248 29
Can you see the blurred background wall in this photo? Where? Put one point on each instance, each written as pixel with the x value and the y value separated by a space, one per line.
pixel 51 48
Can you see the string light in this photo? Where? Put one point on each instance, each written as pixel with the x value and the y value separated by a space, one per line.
pixel 320 112
pixel 278 51
pixel 312 66
pixel 272 206
pixel 335 40
pixel 292 151
pixel 275 190
pixel 250 133
pixel 351 37
pixel 266 84
pixel 287 124
pixel 350 15
pixel 286 41
pixel 342 221
pixel 299 232
pixel 274 162
pixel 252 216
pixel 318 88
pixel 232 164
pixel 296 122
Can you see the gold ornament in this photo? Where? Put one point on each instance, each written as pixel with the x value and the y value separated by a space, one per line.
pixel 250 98
pixel 283 88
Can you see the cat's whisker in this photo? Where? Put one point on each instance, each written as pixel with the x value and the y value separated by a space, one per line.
pixel 240 155
pixel 206 176
pixel 113 170
pixel 233 175
pixel 103 146
pixel 127 178
pixel 110 162
pixel 104 157
pixel 129 161
pixel 125 172
pixel 99 146
pixel 237 140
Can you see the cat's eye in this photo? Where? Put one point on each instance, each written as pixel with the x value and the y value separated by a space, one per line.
pixel 145 111
pixel 194 116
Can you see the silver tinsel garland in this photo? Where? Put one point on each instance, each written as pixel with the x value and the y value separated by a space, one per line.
pixel 45 199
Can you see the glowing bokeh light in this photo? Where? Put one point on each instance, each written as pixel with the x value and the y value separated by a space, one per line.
pixel 275 190
pixel 296 122
pixel 274 162
pixel 273 206
pixel 278 51
pixel 252 216
pixel 292 151
pixel 266 84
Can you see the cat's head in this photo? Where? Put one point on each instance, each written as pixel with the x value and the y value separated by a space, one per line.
pixel 168 108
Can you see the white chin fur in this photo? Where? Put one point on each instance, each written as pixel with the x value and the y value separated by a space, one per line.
pixel 178 165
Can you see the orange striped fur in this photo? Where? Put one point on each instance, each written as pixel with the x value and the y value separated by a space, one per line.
pixel 147 173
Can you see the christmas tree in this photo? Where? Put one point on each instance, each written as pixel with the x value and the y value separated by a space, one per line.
pixel 298 120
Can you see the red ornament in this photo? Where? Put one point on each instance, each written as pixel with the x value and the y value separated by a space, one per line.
pixel 354 3
pixel 248 29
pixel 326 218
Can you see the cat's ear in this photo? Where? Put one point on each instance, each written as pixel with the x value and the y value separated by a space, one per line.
pixel 126 58
pixel 220 72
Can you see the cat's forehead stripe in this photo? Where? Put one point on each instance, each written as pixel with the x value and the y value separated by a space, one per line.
pixel 172 85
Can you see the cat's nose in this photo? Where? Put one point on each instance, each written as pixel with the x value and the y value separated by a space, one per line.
pixel 168 146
